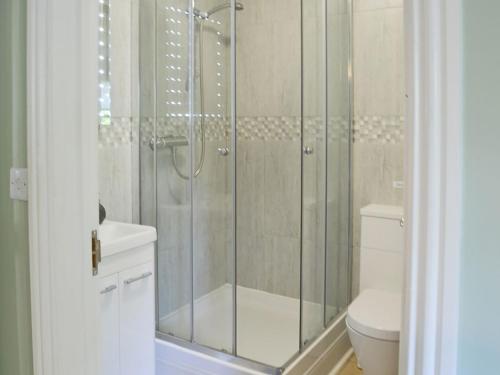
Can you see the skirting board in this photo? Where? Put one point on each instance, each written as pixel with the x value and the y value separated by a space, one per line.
pixel 340 365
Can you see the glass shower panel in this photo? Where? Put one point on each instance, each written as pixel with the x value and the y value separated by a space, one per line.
pixel 147 108
pixel 268 105
pixel 212 190
pixel 314 165
pixel 171 127
pixel 338 158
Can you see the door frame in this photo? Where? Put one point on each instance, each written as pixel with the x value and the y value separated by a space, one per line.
pixel 62 162
pixel 63 192
pixel 433 175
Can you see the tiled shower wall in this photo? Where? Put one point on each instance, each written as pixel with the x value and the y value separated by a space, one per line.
pixel 379 107
pixel 269 149
pixel 118 142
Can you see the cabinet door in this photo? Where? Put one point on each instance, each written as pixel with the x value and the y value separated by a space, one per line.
pixel 137 320
pixel 107 289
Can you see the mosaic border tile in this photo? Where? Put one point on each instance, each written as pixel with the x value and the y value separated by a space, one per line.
pixel 118 133
pixel 378 129
pixel 366 129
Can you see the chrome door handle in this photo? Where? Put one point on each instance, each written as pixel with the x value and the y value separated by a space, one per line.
pixel 223 151
pixel 108 289
pixel 134 279
pixel 308 150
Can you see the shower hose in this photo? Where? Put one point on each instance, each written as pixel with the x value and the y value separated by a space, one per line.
pixel 202 113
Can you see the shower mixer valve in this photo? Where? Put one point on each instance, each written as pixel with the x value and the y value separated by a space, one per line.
pixel 168 141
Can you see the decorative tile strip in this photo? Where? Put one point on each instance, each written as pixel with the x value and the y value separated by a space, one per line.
pixel 366 129
pixel 118 133
pixel 378 129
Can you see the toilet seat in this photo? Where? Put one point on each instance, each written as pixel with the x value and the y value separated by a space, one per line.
pixel 377 314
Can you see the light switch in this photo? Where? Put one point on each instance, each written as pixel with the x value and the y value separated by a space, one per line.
pixel 19 184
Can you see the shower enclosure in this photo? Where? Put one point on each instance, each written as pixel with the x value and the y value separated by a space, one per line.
pixel 245 171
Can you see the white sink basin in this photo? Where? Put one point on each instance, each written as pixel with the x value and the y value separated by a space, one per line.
pixel 117 237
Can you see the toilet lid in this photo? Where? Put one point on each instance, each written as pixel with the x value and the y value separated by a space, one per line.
pixel 377 314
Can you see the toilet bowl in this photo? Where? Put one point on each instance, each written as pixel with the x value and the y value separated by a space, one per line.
pixel 373 324
pixel 374 317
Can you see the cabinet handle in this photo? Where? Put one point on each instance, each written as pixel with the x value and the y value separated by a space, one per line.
pixel 108 289
pixel 134 279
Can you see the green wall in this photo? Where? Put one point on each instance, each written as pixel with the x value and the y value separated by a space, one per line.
pixel 15 326
pixel 479 346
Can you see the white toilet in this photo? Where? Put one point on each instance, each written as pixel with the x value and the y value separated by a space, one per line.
pixel 374 317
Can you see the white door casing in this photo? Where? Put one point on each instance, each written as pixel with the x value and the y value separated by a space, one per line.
pixel 63 194
pixel 433 168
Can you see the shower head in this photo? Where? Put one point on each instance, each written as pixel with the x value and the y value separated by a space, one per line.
pixel 217 8
pixel 239 6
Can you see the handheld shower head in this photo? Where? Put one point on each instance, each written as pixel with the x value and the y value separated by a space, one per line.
pixel 217 8
pixel 239 6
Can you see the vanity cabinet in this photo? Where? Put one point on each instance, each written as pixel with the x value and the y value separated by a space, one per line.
pixel 137 321
pixel 110 324
pixel 126 300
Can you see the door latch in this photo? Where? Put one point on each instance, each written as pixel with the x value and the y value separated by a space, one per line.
pixel 96 253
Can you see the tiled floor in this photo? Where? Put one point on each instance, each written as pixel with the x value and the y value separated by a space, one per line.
pixel 350 368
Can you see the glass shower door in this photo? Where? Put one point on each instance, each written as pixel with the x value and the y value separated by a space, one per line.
pixel 325 164
pixel 212 183
pixel 171 127
pixel 338 216
pixel 268 108
pixel 193 170
pixel 314 167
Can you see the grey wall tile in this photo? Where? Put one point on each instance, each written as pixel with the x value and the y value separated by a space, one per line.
pixel 379 62
pixel 379 105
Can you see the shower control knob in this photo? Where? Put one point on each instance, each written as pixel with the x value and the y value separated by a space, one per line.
pixel 223 151
pixel 308 150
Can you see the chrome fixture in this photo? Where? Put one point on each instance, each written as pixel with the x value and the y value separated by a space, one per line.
pixel 108 289
pixel 201 16
pixel 215 9
pixel 138 278
pixel 308 150
pixel 223 151
pixel 168 141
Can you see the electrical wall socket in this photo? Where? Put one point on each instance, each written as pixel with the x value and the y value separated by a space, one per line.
pixel 19 184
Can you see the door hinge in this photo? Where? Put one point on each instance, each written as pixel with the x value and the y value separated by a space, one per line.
pixel 96 253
